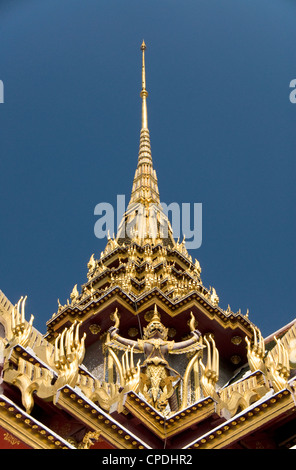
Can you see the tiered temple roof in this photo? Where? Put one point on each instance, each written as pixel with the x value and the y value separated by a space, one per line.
pixel 142 356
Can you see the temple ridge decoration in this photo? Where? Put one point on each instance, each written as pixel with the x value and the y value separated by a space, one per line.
pixel 143 355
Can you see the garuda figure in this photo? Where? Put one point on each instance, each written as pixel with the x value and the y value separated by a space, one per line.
pixel 158 381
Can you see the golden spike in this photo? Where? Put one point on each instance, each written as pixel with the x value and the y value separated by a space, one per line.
pixel 62 350
pixel 215 358
pixel 17 315
pixel 143 48
pixel 145 186
pixel 209 359
pixel 56 351
pixel 144 92
pixel 81 350
pixel 76 340
pixel 23 310
pixel 255 336
pixel 69 340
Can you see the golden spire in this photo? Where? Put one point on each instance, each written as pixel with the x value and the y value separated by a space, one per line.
pixel 144 92
pixel 144 218
pixel 145 187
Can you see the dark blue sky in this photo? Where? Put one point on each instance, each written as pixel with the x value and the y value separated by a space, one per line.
pixel 222 133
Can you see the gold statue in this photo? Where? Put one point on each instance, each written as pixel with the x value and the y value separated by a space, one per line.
pixel 157 380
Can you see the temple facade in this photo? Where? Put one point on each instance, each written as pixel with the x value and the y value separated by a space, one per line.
pixel 142 356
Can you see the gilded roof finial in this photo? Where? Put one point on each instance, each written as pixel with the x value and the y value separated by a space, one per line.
pixel 144 218
pixel 145 188
pixel 144 92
